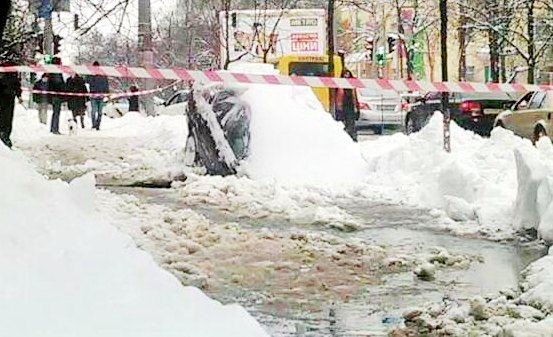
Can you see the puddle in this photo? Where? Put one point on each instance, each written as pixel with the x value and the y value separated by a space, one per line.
pixel 373 309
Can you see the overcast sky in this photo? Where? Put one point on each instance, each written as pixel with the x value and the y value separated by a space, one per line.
pixel 128 22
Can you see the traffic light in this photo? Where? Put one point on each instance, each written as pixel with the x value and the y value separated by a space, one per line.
pixel 381 57
pixel 392 44
pixel 57 44
pixel 233 20
pixel 369 46
pixel 48 59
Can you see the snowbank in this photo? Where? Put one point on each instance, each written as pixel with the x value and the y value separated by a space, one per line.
pixel 534 204
pixel 72 274
pixel 131 149
pixel 294 141
pixel 477 181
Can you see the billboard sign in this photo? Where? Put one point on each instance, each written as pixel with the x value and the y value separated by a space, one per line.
pixel 279 33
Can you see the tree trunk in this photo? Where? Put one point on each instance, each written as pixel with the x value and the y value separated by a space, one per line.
pixel 5 7
pixel 463 45
pixel 493 39
pixel 226 7
pixel 531 42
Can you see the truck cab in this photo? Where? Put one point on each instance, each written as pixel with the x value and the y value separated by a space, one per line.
pixel 317 66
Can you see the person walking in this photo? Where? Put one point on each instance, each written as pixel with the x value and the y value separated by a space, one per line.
pixel 77 104
pixel 347 107
pixel 10 88
pixel 98 85
pixel 41 99
pixel 134 105
pixel 56 84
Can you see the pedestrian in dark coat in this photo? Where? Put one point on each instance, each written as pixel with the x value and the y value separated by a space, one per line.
pixel 98 85
pixel 56 84
pixel 10 88
pixel 77 104
pixel 347 107
pixel 42 100
pixel 134 105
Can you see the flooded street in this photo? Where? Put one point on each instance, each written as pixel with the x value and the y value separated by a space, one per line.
pixel 358 295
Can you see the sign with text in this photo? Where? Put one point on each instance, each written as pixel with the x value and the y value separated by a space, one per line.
pixel 307 42
pixel 255 35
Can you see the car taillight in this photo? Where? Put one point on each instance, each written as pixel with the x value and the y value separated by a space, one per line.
pixel 474 108
pixel 405 106
pixel 364 106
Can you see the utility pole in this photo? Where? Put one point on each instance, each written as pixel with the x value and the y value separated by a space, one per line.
pixel 146 49
pixel 445 95
pixel 48 30
pixel 331 49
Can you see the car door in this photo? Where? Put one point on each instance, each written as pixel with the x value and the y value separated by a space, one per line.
pixel 532 115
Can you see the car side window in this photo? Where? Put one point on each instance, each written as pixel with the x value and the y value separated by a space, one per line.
pixel 173 100
pixel 524 101
pixel 537 100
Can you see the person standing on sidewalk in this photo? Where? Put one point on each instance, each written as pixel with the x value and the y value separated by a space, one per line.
pixel 56 84
pixel 98 85
pixel 134 104
pixel 41 99
pixel 77 104
pixel 347 107
pixel 10 88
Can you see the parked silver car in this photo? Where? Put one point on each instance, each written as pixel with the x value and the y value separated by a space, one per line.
pixel 380 110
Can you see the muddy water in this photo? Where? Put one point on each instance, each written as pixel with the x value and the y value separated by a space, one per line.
pixel 375 307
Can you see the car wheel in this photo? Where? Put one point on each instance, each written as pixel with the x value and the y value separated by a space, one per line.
pixel 410 126
pixel 539 132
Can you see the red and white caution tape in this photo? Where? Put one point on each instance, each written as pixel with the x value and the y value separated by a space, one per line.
pixel 109 96
pixel 317 82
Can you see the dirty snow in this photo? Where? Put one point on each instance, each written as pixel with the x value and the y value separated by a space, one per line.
pixel 72 274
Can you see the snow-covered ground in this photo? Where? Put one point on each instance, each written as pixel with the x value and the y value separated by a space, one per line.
pixel 301 166
pixel 71 273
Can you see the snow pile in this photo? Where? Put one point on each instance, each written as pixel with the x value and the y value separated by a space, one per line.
pixel 538 283
pixel 294 141
pixel 243 197
pixel 477 181
pixel 128 150
pixel 72 274
pixel 534 205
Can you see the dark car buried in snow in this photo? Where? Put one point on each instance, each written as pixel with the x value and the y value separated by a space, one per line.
pixel 471 111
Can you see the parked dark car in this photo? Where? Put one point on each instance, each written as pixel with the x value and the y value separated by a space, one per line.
pixel 471 111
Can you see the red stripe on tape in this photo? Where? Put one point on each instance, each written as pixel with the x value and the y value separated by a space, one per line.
pixel 384 84
pixel 271 79
pixel 242 78
pixel 298 80
pixel 183 74
pixel 518 87
pixel 329 82
pixel 356 83
pixel 213 76
pixel 413 86
pixel 467 87
pixel 440 86
pixel 155 74
pixel 493 87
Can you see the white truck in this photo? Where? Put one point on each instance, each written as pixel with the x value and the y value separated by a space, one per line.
pixel 267 35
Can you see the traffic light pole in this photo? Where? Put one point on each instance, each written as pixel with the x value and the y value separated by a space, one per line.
pixel 146 49
pixel 445 95
pixel 330 35
pixel 48 33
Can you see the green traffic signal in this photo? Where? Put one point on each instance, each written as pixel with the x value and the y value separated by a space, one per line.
pixel 48 59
